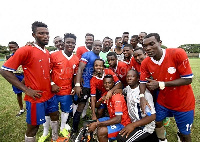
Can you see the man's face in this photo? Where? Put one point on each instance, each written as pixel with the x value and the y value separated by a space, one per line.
pixel 106 44
pixel 41 36
pixel 125 38
pixel 119 43
pixel 139 56
pixel 69 45
pixel 98 67
pixel 127 52
pixel 89 41
pixel 134 42
pixel 132 78
pixel 59 44
pixel 13 47
pixel 108 83
pixel 151 46
pixel 97 47
pixel 141 37
pixel 112 61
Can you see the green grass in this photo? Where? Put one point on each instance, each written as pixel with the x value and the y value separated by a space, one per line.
pixel 12 129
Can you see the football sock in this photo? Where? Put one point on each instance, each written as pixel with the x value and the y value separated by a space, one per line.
pixel 54 127
pixel 85 110
pixel 74 108
pixel 29 139
pixel 64 117
pixel 46 125
pixel 76 120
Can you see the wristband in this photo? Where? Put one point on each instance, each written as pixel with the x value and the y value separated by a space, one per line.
pixel 52 83
pixel 161 85
pixel 78 84
pixel 141 95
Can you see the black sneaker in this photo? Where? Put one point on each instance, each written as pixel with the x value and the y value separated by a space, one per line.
pixel 20 112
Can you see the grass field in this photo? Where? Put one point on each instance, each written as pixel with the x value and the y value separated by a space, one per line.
pixel 12 129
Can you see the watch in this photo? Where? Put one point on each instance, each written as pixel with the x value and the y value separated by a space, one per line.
pixel 161 85
pixel 52 83
pixel 77 84
pixel 141 95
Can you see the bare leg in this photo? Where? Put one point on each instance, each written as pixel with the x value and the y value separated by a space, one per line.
pixel 102 134
pixel 19 99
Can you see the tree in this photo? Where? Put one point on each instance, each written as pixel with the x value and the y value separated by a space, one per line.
pixel 191 48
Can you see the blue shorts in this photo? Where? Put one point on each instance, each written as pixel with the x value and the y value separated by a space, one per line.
pixel 36 111
pixel 65 103
pixel 20 78
pixel 113 130
pixel 184 120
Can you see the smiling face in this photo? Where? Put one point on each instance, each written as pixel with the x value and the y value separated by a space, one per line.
pixel 59 44
pixel 69 45
pixel 99 67
pixel 141 37
pixel 89 41
pixel 152 47
pixel 41 36
pixel 13 47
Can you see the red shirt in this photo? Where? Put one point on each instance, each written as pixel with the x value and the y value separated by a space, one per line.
pixel 36 67
pixel 117 106
pixel 63 70
pixel 121 71
pixel 135 65
pixel 81 50
pixel 97 83
pixel 174 64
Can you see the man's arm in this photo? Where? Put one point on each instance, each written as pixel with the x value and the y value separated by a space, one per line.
pixel 11 78
pixel 93 103
pixel 78 89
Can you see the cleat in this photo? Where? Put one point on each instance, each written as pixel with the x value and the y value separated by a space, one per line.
pixel 61 139
pixel 65 133
pixel 43 138
pixel 166 121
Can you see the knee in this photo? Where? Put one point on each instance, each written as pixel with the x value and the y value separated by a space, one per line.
pixel 31 130
pixel 54 116
pixel 102 131
pixel 159 124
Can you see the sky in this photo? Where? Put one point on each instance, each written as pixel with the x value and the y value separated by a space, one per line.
pixel 176 21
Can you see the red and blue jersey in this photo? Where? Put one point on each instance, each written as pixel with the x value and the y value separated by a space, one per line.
pixel 96 83
pixel 174 64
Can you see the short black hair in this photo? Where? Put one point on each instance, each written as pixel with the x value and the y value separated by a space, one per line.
pixel 89 34
pixel 156 35
pixel 37 24
pixel 112 54
pixel 108 76
pixel 69 35
pixel 144 33
pixel 13 42
pixel 125 33
pixel 106 38
pixel 100 60
pixel 139 48
pixel 129 45
pixel 137 73
pixel 134 36
pixel 117 39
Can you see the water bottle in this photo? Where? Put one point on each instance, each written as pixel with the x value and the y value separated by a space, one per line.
pixel 148 111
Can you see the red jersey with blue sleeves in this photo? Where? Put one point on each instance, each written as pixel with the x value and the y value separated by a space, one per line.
pixel 96 83
pixel 88 58
pixel 174 64
pixel 36 66
pixel 117 106
pixel 63 69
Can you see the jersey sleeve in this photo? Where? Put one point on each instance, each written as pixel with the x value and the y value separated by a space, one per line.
pixel 118 104
pixel 78 53
pixel 85 58
pixel 183 64
pixel 20 57
pixel 144 73
pixel 93 87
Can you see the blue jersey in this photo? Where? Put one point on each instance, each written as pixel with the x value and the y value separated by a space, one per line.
pixel 88 58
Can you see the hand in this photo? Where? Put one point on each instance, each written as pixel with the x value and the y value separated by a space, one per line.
pixel 78 90
pixel 33 93
pixel 127 130
pixel 103 98
pixel 109 95
pixel 55 88
pixel 152 84
pixel 92 126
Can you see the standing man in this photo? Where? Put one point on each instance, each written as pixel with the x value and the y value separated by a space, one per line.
pixel 118 49
pixel 105 50
pixel 85 71
pixel 125 38
pixel 128 53
pixel 172 74
pixel 141 37
pixel 13 46
pixel 134 41
pixel 58 42
pixel 37 88
pixel 89 39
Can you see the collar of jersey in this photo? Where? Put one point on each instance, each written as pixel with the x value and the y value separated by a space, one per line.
pixel 161 59
pixel 115 69
pixel 101 77
pixel 40 48
pixel 68 58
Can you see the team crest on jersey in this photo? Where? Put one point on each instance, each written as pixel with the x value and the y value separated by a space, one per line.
pixel 171 70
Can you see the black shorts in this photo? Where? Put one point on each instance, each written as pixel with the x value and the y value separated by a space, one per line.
pixel 86 94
